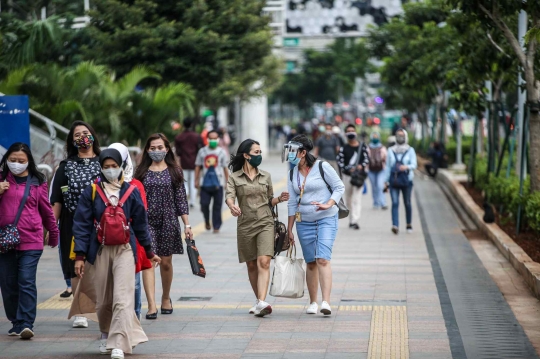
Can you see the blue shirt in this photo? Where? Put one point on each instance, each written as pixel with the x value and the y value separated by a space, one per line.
pixel 409 160
pixel 315 191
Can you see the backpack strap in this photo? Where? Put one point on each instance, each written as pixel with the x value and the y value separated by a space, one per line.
pixel 321 170
pixel 126 195
pixel 291 174
pixel 102 195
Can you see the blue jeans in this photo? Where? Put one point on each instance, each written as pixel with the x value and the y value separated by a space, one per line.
pixel 207 194
pixel 394 193
pixel 18 284
pixel 138 302
pixel 377 186
pixel 317 238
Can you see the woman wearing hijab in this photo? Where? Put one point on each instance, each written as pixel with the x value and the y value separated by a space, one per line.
pixel 114 264
pixel 401 163
pixel 142 263
pixel 377 164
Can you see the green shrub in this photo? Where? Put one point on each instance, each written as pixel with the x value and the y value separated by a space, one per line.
pixel 532 211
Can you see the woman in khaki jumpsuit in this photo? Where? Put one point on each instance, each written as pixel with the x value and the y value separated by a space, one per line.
pixel 253 189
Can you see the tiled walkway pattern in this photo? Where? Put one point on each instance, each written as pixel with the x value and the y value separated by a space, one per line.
pixel 384 299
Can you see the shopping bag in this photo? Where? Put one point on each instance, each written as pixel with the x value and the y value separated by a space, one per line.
pixel 289 276
pixel 195 260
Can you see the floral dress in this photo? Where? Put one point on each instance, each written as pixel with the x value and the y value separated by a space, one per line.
pixel 166 203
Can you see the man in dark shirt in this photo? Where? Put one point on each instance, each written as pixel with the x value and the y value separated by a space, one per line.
pixel 351 158
pixel 187 145
pixel 327 147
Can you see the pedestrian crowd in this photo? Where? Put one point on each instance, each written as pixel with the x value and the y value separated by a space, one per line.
pixel 114 222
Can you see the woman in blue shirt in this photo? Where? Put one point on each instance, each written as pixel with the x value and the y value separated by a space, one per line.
pixel 314 209
pixel 406 156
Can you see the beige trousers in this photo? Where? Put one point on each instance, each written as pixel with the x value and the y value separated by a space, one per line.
pixel 353 199
pixel 114 283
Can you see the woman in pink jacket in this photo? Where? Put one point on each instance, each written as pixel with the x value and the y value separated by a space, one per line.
pixel 18 267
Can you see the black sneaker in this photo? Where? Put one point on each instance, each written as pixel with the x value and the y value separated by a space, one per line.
pixel 409 228
pixel 66 294
pixel 395 230
pixel 384 208
pixel 14 332
pixel 355 226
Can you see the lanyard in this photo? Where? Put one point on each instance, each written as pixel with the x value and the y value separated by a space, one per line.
pixel 301 188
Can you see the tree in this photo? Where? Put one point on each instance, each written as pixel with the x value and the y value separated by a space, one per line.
pixel 222 48
pixel 500 16
pixel 326 75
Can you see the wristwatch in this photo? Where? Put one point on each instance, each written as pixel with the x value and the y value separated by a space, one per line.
pixel 187 225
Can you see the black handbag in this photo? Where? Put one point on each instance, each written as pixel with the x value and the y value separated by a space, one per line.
pixel 281 242
pixel 358 177
pixel 197 266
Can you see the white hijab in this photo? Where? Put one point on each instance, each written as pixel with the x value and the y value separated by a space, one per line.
pixel 126 158
pixel 399 149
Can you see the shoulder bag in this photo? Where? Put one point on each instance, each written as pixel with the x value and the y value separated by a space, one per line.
pixel 9 235
pixel 358 177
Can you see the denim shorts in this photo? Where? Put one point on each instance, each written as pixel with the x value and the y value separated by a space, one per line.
pixel 317 238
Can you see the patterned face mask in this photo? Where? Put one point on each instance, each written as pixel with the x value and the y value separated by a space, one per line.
pixel 84 142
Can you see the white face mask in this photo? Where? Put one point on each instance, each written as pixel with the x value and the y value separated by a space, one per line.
pixel 17 168
pixel 112 174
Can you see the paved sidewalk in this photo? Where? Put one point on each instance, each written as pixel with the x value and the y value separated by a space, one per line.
pixel 385 303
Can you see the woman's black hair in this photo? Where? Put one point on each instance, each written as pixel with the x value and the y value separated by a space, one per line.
pixel 71 150
pixel 174 170
pixel 32 168
pixel 238 160
pixel 307 145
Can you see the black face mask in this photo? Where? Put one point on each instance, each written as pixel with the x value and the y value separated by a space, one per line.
pixel 351 135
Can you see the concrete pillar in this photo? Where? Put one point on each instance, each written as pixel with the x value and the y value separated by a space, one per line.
pixel 254 121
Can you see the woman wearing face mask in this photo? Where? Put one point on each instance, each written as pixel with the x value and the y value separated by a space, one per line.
pixel 351 158
pixel 75 173
pixel 401 159
pixel 313 207
pixel 20 181
pixel 252 187
pixel 163 181
pixel 113 259
pixel 142 262
pixel 377 163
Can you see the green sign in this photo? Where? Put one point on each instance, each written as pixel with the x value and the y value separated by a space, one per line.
pixel 291 42
pixel 290 66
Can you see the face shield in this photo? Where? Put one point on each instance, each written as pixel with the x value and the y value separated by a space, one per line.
pixel 290 151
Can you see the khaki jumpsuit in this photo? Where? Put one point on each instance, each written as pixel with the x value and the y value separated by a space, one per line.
pixel 255 227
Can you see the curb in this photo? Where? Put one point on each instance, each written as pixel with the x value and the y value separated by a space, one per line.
pixel 529 269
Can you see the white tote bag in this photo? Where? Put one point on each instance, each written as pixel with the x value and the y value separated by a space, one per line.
pixel 289 277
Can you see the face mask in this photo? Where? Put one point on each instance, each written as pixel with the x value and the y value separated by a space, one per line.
pixel 112 174
pixel 375 141
pixel 351 135
pixel 212 143
pixel 157 156
pixel 255 160
pixel 293 159
pixel 400 139
pixel 17 168
pixel 329 133
pixel 321 128
pixel 84 142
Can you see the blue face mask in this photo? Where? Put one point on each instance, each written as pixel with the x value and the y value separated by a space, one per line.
pixel 293 159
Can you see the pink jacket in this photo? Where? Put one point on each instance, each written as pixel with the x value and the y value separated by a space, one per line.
pixel 37 213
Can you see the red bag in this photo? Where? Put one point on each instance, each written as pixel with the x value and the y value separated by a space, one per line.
pixel 113 228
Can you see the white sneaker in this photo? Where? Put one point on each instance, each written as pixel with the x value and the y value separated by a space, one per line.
pixel 103 347
pixel 325 308
pixel 117 354
pixel 262 309
pixel 254 308
pixel 80 322
pixel 27 333
pixel 312 309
